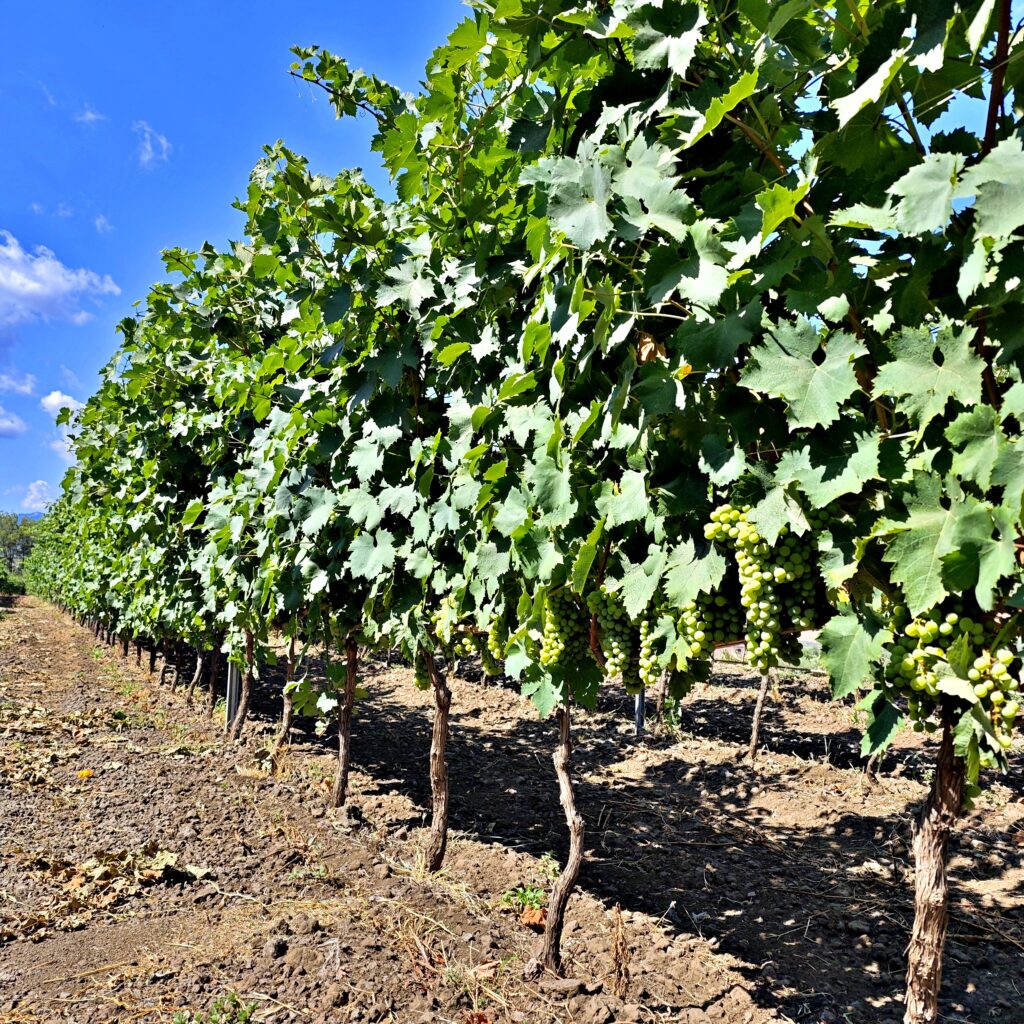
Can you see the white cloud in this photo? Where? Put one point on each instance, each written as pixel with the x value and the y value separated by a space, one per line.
pixel 48 94
pixel 37 285
pixel 57 400
pixel 69 377
pixel 61 446
pixel 63 210
pixel 153 147
pixel 103 226
pixel 37 497
pixel 23 385
pixel 37 209
pixel 11 425
pixel 89 116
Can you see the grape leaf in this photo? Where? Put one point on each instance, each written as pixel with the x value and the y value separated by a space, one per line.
pixel 640 583
pixel 884 722
pixel 926 192
pixel 852 649
pixel 783 365
pixel 979 442
pixel 371 554
pixel 626 502
pixel 924 384
pixel 778 204
pixel 668 38
pixel 840 462
pixel 931 529
pixel 577 192
pixel 693 568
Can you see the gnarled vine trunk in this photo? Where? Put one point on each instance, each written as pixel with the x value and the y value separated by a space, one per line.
pixel 246 695
pixel 755 729
pixel 211 693
pixel 438 842
pixel 931 884
pixel 197 675
pixel 288 711
pixel 551 955
pixel 340 790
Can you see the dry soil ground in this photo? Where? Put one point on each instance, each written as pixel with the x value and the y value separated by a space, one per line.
pixel 147 868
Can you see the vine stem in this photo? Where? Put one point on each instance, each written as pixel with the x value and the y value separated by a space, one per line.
pixel 211 695
pixel 197 675
pixel 755 729
pixel 551 956
pixel 438 841
pixel 340 790
pixel 246 696
pixel 288 710
pixel 931 883
pixel 995 107
pixel 996 97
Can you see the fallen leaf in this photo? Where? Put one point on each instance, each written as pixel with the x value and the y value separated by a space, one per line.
pixel 534 917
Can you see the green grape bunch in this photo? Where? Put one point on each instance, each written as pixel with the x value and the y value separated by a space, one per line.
pixel 422 673
pixel 491 648
pixel 708 622
pixel 648 664
pixel 620 640
pixel 566 630
pixel 920 656
pixel 759 579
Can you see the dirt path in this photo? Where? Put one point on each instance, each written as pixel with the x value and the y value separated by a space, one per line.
pixel 145 868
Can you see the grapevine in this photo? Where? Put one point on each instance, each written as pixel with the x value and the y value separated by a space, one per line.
pixel 569 327
pixel 620 640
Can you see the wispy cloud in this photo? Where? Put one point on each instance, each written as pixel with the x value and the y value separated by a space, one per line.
pixel 53 403
pixel 69 377
pixel 48 94
pixel 103 226
pixel 37 497
pixel 23 385
pixel 36 285
pixel 153 147
pixel 89 116
pixel 37 209
pixel 11 425
pixel 63 210
pixel 57 400
pixel 61 447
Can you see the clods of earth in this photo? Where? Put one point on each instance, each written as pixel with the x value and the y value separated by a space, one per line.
pixel 148 868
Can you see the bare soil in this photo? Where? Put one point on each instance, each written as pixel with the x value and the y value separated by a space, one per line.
pixel 147 867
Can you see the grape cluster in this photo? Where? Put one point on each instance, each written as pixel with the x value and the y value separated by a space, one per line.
pixel 566 629
pixel 710 620
pixel 422 673
pixel 922 643
pixel 619 640
pixel 993 681
pixel 491 647
pixel 777 588
pixel 647 664
pixel 443 619
pixel 464 645
pixel 470 644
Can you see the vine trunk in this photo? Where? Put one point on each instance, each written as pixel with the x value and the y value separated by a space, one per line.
pixel 931 884
pixel 551 955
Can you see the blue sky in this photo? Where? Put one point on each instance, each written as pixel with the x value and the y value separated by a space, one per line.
pixel 130 128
